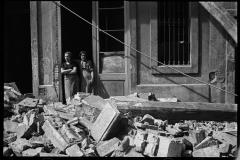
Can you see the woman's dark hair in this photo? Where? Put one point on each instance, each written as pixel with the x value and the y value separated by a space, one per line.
pixel 69 53
pixel 83 52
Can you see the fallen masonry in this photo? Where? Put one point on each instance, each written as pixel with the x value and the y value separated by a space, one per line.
pixel 121 126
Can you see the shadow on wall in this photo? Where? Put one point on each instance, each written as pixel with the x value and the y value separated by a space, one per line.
pixel 99 88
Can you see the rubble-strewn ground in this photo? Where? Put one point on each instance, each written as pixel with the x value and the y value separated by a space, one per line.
pixel 91 126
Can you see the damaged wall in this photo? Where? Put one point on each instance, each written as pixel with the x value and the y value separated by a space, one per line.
pixel 46 52
pixel 214 47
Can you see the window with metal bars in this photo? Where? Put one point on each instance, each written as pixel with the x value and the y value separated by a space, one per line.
pixel 111 20
pixel 173 33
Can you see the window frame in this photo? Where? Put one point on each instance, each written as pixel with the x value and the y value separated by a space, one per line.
pixel 193 40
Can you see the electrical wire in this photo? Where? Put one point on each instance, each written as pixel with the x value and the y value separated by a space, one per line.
pixel 59 5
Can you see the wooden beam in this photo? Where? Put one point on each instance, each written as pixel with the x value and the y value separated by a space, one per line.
pixel 181 110
pixel 223 17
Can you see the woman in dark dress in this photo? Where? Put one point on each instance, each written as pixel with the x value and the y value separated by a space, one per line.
pixel 69 70
pixel 86 69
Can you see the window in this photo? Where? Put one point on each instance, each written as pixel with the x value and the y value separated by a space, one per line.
pixel 111 52
pixel 111 20
pixel 177 26
pixel 173 33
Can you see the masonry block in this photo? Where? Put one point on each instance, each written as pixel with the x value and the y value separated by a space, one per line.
pixel 74 151
pixel 55 137
pixel 105 148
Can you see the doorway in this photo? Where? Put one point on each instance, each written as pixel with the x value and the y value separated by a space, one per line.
pixel 76 34
pixel 17 46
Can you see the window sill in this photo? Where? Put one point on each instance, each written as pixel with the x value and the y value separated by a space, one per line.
pixel 165 70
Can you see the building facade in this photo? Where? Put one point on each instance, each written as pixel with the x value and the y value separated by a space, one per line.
pixel 194 38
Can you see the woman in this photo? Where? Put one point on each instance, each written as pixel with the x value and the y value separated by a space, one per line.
pixel 86 69
pixel 69 70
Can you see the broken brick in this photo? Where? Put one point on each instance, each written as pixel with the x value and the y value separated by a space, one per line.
pixel 133 153
pixel 7 151
pixel 9 138
pixel 169 147
pixel 152 145
pixel 10 126
pixel 32 152
pixel 74 151
pixel 140 141
pixel 29 102
pixel 207 142
pixel 212 151
pixel 20 145
pixel 55 137
pixel 42 154
pixel 105 148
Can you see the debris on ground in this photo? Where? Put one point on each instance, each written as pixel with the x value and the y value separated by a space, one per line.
pixel 90 126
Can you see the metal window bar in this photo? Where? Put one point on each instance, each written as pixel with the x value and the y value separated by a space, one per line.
pixel 164 19
pixel 178 29
pixel 173 27
pixel 174 22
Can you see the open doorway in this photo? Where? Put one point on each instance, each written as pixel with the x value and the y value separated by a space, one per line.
pixel 17 45
pixel 76 34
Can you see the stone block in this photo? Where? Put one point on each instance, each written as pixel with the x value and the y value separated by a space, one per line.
pixel 42 154
pixel 32 152
pixel 54 136
pixel 29 102
pixel 140 141
pixel 20 145
pixel 207 142
pixel 10 126
pixel 105 148
pixel 169 147
pixel 212 151
pixel 74 151
pixel 152 145
pixel 7 151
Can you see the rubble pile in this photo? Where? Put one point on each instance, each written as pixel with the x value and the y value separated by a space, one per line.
pixel 91 126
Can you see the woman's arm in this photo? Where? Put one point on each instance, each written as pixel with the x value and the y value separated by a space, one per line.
pixel 65 71
pixel 73 71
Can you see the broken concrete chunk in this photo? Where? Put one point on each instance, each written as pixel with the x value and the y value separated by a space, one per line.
pixel 21 129
pixel 168 147
pixel 95 101
pixel 74 151
pixel 42 154
pixel 197 136
pixel 148 118
pixel 10 126
pixel 133 153
pixel 140 141
pixel 187 143
pixel 29 102
pixel 105 148
pixel 212 151
pixel 187 153
pixel 225 137
pixel 55 137
pixel 152 145
pixel 106 123
pixel 20 145
pixel 32 152
pixel 7 151
pixel 9 137
pixel 207 142
pixel 167 99
pixel 70 134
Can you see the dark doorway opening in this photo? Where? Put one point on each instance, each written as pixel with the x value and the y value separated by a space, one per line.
pixel 17 46
pixel 76 34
